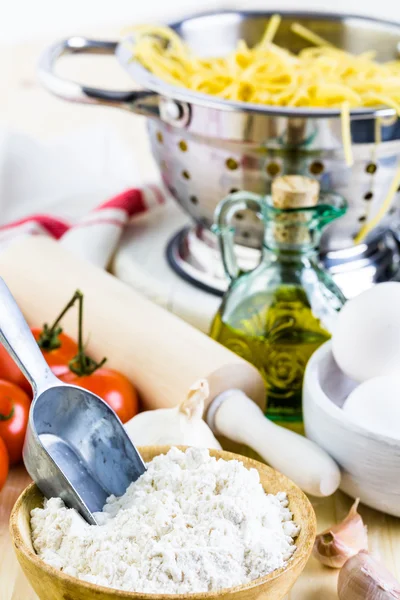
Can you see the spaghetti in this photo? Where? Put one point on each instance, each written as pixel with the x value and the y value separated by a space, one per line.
pixel 320 76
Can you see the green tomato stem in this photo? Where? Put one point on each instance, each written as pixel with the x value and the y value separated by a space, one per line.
pixel 82 364
pixel 49 338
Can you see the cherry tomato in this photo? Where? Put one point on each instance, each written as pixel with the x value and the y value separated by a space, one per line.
pixel 113 387
pixel 3 463
pixel 58 358
pixel 14 413
pixel 10 372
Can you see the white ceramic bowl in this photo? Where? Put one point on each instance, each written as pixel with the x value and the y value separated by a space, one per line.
pixel 370 462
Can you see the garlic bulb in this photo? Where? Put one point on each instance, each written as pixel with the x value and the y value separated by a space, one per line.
pixel 334 546
pixel 179 426
pixel 363 578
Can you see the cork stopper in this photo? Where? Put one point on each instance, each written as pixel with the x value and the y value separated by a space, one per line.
pixel 293 191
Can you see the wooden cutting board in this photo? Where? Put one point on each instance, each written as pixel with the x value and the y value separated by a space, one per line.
pixel 316 582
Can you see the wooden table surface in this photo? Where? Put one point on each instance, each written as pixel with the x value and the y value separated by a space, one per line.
pixel 26 107
pixel 316 582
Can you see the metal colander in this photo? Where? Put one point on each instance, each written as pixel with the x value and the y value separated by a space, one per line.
pixel 207 147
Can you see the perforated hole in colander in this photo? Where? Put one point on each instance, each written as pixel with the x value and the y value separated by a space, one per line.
pixel 316 167
pixel 273 168
pixel 183 146
pixel 194 199
pixel 159 137
pixel 368 196
pixel 186 174
pixel 371 168
pixel 231 164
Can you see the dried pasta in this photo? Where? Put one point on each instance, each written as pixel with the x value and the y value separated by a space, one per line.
pixel 320 76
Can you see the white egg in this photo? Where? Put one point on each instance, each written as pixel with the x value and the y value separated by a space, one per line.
pixel 375 405
pixel 366 336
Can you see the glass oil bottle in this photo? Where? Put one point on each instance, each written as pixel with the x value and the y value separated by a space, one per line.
pixel 277 315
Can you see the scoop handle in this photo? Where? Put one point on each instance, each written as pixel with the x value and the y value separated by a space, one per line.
pixel 239 419
pixel 20 344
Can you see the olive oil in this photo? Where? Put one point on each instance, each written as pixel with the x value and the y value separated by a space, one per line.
pixel 277 332
pixel 278 314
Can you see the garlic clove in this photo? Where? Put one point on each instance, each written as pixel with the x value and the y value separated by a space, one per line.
pixel 364 578
pixel 329 550
pixel 182 425
pixel 334 546
pixel 193 405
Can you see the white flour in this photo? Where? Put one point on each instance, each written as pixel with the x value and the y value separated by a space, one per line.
pixel 191 523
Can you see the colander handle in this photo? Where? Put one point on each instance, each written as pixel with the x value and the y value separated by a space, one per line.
pixel 139 101
pixel 224 228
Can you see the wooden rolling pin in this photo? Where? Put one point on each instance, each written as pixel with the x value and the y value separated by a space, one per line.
pixel 160 353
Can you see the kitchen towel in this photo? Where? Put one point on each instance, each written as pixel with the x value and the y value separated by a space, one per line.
pixel 55 187
pixel 96 236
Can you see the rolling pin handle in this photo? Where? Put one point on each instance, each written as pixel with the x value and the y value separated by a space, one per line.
pixel 233 415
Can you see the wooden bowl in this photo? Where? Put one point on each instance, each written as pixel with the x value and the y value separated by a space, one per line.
pixel 370 462
pixel 52 584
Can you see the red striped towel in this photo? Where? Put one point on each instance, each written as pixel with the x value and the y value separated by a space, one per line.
pixel 96 236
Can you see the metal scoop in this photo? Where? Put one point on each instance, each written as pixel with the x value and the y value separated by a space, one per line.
pixel 76 448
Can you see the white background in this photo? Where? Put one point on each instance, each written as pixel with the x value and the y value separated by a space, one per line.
pixel 26 20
